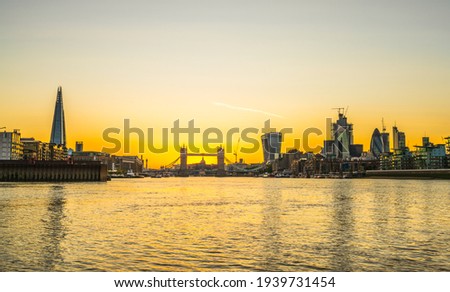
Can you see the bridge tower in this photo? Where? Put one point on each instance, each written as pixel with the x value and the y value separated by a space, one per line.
pixel 220 162
pixel 183 162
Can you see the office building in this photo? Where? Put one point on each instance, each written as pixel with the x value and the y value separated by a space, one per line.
pixel 385 141
pixel 398 139
pixel 379 143
pixel 58 134
pixel 339 143
pixel 271 143
pixel 356 150
pixel 376 144
pixel 343 136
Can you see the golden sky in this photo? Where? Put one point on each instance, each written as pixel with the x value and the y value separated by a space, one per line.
pixel 225 64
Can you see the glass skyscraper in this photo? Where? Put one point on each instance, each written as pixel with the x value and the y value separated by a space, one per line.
pixel 271 143
pixel 58 135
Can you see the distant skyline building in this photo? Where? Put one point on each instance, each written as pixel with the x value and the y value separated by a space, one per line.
pixel 398 138
pixel 447 139
pixel 271 143
pixel 376 143
pixel 379 143
pixel 395 137
pixel 401 140
pixel 341 143
pixel 79 146
pixel 385 140
pixel 58 135
pixel 356 150
pixel 430 155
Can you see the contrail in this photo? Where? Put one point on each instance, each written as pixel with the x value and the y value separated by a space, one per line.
pixel 247 109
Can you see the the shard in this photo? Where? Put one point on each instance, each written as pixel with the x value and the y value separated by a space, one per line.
pixel 58 135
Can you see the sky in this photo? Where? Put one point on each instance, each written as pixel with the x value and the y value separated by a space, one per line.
pixel 225 64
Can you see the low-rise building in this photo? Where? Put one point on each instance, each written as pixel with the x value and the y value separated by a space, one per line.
pixel 32 149
pixel 125 163
pixel 284 162
pixel 91 156
pixel 430 156
pixel 37 150
pixel 10 146
pixel 57 152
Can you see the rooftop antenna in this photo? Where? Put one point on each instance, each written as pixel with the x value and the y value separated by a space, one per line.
pixel 346 110
pixel 382 123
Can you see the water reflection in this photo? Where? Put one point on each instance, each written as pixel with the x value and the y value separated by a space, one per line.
pixel 271 253
pixel 381 209
pixel 342 227
pixel 54 229
pixel 5 241
pixel 233 224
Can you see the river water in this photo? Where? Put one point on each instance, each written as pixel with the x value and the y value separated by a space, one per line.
pixel 226 224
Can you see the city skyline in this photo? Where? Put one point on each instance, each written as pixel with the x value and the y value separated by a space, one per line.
pixel 379 143
pixel 226 65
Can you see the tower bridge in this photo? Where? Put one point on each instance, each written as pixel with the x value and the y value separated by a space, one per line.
pixel 220 160
pixel 220 154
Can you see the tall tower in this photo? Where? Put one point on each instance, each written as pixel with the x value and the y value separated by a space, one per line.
pixel 376 143
pixel 271 143
pixel 399 138
pixel 58 135
pixel 343 135
pixel 395 137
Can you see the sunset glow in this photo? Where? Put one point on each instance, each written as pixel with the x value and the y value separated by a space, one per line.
pixel 228 64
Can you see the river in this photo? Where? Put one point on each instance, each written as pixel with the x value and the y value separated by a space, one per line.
pixel 226 224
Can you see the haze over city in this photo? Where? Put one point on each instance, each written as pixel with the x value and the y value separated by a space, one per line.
pixel 228 64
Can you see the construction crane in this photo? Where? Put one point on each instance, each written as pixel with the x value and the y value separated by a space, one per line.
pixel 340 110
pixel 236 150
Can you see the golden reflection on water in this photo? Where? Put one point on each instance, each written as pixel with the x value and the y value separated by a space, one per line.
pixel 226 224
